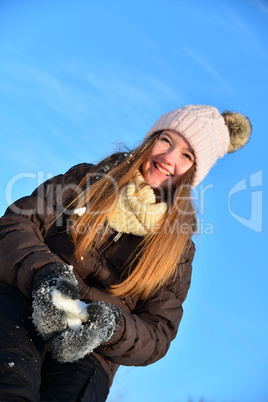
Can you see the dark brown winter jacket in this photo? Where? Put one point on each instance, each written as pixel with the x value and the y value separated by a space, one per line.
pixel 31 238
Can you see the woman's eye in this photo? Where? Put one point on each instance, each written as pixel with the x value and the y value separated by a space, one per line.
pixel 188 156
pixel 165 139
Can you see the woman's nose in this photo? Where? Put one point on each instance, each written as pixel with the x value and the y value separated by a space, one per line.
pixel 169 156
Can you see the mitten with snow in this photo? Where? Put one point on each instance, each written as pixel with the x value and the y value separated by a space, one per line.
pixel 54 285
pixel 78 340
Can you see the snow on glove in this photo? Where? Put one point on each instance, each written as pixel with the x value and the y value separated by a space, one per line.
pixel 54 286
pixel 75 343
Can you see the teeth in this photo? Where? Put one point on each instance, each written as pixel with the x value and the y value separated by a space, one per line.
pixel 162 170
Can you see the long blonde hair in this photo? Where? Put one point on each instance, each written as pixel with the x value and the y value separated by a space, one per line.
pixel 159 252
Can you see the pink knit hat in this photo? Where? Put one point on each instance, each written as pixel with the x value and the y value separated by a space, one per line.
pixel 207 131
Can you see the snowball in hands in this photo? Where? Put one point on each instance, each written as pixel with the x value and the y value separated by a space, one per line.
pixel 73 344
pixel 72 327
pixel 76 310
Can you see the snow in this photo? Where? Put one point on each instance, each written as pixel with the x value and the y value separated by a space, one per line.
pixel 74 323
pixel 76 310
pixel 80 211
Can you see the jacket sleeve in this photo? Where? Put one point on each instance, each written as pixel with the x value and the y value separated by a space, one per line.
pixel 22 245
pixel 144 336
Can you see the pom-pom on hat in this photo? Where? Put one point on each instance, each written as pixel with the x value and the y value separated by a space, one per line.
pixel 210 134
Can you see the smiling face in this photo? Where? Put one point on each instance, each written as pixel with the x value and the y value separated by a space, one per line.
pixel 171 157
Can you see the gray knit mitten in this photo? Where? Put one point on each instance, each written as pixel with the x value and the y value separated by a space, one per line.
pixel 54 279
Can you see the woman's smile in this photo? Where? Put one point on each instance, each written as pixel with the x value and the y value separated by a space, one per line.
pixel 159 168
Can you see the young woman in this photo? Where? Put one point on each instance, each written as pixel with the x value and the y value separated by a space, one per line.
pixel 96 263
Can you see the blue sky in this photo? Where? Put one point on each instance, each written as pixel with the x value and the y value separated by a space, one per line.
pixel 79 77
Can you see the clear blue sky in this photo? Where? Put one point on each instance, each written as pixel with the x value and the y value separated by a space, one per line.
pixel 77 77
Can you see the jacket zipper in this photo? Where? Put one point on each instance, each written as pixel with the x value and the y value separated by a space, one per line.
pixel 117 236
pixel 114 239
